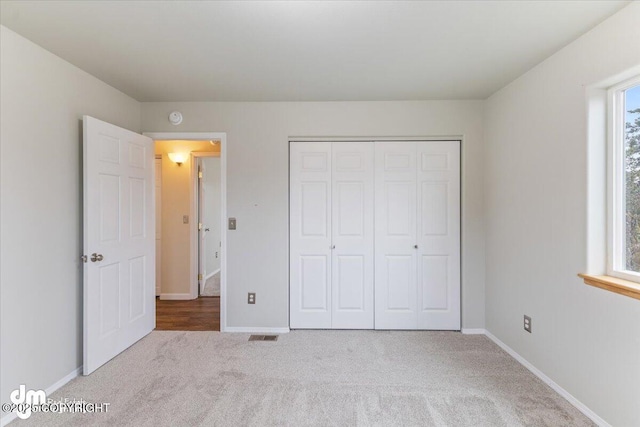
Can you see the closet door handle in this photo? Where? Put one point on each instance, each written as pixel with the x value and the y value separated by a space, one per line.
pixel 332 247
pixel 415 246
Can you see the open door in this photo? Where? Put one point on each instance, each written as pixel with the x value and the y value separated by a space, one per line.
pixel 119 241
pixel 202 229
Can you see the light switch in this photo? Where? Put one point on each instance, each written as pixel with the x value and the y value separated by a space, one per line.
pixel 232 223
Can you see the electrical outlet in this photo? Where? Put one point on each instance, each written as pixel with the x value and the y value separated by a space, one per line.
pixel 527 323
pixel 185 219
pixel 251 298
pixel 216 254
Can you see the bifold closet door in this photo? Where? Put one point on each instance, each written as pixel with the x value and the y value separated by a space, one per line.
pixel 417 242
pixel 352 235
pixel 438 234
pixel 401 271
pixel 395 236
pixel 331 235
pixel 310 235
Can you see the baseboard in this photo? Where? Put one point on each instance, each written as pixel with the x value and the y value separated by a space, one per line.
pixel 256 330
pixel 472 331
pixel 176 296
pixel 210 275
pixel 561 391
pixel 49 391
pixel 8 418
pixel 71 375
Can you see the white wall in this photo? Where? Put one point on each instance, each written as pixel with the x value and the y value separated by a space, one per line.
pixel 586 339
pixel 258 184
pixel 43 100
pixel 212 212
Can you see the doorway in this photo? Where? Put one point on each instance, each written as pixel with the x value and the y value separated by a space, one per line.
pixel 190 213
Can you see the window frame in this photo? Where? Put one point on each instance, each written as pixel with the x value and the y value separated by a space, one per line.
pixel 616 206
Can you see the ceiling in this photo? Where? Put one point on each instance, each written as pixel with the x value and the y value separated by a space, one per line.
pixel 304 51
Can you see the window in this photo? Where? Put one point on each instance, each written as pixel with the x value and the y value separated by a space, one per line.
pixel 624 181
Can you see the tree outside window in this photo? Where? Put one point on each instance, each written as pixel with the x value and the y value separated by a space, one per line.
pixel 632 177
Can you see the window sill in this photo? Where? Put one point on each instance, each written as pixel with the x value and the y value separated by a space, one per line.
pixel 613 284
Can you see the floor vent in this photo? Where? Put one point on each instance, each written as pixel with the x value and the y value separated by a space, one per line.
pixel 263 338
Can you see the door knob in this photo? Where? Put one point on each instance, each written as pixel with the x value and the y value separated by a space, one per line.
pixel 96 257
pixel 333 247
pixel 415 246
pixel 206 229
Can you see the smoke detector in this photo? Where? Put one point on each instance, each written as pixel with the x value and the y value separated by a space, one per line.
pixel 175 118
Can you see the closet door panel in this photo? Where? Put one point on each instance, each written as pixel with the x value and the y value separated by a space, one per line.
pixel 438 181
pixel 395 236
pixel 352 240
pixel 310 235
pixel 400 273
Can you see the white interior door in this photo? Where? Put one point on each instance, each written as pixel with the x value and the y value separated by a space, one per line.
pixel 395 236
pixel 352 235
pixel 119 239
pixel 310 235
pixel 438 237
pixel 158 193
pixel 202 227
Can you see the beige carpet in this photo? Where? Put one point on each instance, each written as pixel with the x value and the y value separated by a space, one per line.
pixel 323 378
pixel 212 286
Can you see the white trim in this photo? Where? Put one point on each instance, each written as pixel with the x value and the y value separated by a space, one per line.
pixel 374 138
pixel 71 375
pixel 596 166
pixel 222 137
pixel 210 275
pixel 188 136
pixel 186 296
pixel 10 416
pixel 558 389
pixel 616 212
pixel 472 331
pixel 256 330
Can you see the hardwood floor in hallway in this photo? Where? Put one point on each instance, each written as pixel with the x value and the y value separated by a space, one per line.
pixel 201 314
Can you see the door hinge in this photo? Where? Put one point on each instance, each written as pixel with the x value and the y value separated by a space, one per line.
pixel 200 174
pixel 199 226
pixel 199 276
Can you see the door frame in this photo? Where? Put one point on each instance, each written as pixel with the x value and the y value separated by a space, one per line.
pixel 158 273
pixel 193 198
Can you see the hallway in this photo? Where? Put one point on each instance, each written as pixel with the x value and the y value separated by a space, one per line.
pixel 201 314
